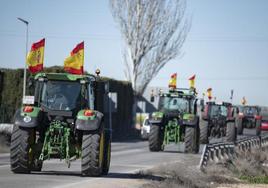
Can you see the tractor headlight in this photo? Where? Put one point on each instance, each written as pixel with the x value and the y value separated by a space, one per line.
pixel 27 119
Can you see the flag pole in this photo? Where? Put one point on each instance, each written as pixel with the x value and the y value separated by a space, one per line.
pixel 25 65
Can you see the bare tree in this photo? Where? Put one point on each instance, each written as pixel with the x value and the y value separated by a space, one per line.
pixel 154 32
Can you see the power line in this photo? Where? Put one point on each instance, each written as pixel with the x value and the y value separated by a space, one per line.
pixel 113 37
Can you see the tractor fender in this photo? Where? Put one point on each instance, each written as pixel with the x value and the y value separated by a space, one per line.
pixel 88 124
pixel 191 122
pixel 27 120
pixel 157 118
pixel 155 122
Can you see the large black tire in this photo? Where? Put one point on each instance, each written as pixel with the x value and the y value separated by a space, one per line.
pixel 239 125
pixel 191 140
pixel 21 152
pixel 156 137
pixel 204 133
pixel 92 153
pixel 107 153
pixel 230 132
pixel 258 127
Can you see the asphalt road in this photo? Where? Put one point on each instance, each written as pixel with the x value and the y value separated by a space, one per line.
pixel 127 158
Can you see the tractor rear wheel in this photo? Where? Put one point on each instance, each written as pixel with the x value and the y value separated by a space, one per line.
pixel 239 125
pixel 107 153
pixel 191 139
pixel 21 149
pixel 92 153
pixel 230 132
pixel 258 127
pixel 156 137
pixel 204 133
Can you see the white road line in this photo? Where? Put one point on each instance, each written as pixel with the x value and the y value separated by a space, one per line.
pixel 127 151
pixel 4 166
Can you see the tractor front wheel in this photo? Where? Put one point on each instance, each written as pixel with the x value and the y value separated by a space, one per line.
pixel 191 139
pixel 230 132
pixel 258 127
pixel 155 138
pixel 239 125
pixel 107 153
pixel 204 133
pixel 21 149
pixel 92 153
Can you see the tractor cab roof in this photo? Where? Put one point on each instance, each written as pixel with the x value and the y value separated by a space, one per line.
pixel 180 93
pixel 219 103
pixel 64 77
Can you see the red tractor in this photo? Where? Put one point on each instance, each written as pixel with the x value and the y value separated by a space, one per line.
pixel 249 117
pixel 218 122
pixel 264 124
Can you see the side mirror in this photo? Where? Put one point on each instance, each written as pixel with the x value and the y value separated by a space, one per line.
pixel 30 82
pixel 202 104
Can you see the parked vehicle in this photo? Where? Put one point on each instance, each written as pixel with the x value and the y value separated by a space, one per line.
pixel 145 129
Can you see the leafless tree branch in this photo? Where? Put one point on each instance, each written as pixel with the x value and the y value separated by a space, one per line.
pixel 154 32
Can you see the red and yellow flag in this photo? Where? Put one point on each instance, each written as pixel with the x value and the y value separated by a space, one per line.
pixel 74 64
pixel 209 93
pixel 192 81
pixel 244 101
pixel 35 58
pixel 173 81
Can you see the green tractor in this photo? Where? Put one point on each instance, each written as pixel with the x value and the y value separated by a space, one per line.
pixel 64 121
pixel 175 121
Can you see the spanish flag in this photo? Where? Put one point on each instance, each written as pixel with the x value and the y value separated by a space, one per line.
pixel 209 93
pixel 173 81
pixel 192 81
pixel 35 58
pixel 74 64
pixel 244 101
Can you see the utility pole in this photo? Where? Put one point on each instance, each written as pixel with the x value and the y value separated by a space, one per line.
pixel 26 51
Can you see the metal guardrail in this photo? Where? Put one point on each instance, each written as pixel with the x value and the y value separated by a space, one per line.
pixel 217 152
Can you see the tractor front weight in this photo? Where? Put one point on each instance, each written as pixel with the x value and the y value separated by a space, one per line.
pixel 172 132
pixel 57 143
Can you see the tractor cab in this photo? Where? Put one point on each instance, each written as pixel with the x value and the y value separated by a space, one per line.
pixel 221 110
pixel 178 100
pixel 64 94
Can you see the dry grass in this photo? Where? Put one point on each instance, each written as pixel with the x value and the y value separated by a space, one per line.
pixel 246 168
pixel 179 175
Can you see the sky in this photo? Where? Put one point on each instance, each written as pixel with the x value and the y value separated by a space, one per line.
pixel 227 46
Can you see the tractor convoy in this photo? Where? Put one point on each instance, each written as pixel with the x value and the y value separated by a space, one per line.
pixel 65 121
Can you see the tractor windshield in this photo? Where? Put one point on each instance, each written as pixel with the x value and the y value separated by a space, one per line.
pixel 60 95
pixel 217 110
pixel 250 110
pixel 174 103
